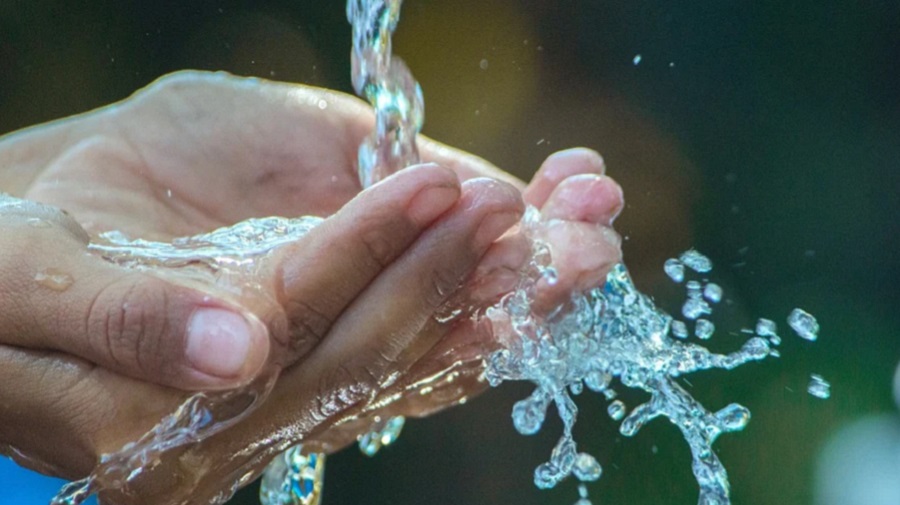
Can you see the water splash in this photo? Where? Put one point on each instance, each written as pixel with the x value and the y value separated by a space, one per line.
pixel 616 332
pixel 293 478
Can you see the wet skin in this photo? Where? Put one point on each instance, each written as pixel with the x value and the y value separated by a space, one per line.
pixel 347 312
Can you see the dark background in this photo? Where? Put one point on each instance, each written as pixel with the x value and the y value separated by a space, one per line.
pixel 764 133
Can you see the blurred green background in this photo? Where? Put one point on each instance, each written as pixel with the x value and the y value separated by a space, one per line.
pixel 765 133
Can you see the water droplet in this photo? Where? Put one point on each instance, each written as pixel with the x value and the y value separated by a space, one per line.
pixel 576 388
pixel 54 279
pixel 382 434
pixel 528 414
pixel 586 468
pixel 616 410
pixel 694 308
pixel 734 417
pixel 819 387
pixel 804 324
pixel 713 292
pixel 483 64
pixel 637 59
pixel 168 193
pixel 696 261
pixel 765 327
pixel 704 329
pixel 597 381
pixel 679 329
pixel 36 222
pixel 674 269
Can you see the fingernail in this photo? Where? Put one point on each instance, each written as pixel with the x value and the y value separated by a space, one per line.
pixel 493 226
pixel 431 202
pixel 219 343
pixel 576 160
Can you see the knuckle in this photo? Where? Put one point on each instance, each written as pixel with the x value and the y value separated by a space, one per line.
pixel 378 245
pixel 127 322
pixel 442 284
pixel 338 391
pixel 307 326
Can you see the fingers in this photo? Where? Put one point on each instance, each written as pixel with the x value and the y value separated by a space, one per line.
pixel 55 296
pixel 362 351
pixel 585 197
pixel 337 260
pixel 578 217
pixel 557 168
pixel 578 205
pixel 60 413
pixel 397 309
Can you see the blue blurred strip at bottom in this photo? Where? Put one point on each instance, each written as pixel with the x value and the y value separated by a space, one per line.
pixel 25 487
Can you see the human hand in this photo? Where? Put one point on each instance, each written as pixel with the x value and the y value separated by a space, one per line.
pixel 138 187
pixel 135 322
pixel 192 153
pixel 443 376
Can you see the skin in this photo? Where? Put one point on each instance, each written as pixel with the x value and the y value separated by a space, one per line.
pixel 347 313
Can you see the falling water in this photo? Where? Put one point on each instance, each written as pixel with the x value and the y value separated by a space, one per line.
pixel 387 84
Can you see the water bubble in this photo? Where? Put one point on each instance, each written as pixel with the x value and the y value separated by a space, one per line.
pixel 696 261
pixel 674 269
pixel 679 329
pixel 546 476
pixel 694 308
pixel 586 468
pixel 483 64
pixel 636 60
pixel 704 329
pixel 804 324
pixel 528 414
pixel 734 417
pixel 713 292
pixel 616 410
pixel 765 327
pixel 597 381
pixel 693 288
pixel 819 387
pixel 54 279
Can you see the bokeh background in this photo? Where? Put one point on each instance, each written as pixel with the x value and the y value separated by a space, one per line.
pixel 765 133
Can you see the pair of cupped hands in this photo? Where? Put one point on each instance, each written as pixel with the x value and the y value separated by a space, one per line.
pixel 351 312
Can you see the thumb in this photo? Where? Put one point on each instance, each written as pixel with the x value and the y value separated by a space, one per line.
pixel 56 296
